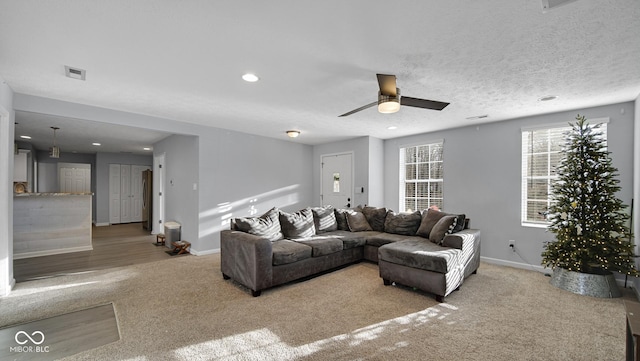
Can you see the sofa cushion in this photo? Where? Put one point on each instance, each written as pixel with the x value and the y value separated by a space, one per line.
pixel 445 226
pixel 429 219
pixel 341 218
pixel 350 239
pixel 322 245
pixel 324 219
pixel 381 239
pixel 375 216
pixel 267 225
pixel 297 225
pixel 402 223
pixel 421 254
pixel 358 222
pixel 286 251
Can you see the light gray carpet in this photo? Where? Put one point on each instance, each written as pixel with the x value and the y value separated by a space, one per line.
pixel 182 309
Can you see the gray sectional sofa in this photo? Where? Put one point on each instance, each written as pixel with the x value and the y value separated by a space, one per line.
pixel 430 250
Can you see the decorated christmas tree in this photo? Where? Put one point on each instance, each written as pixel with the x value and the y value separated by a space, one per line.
pixel 586 217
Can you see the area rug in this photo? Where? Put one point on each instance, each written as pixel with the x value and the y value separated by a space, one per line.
pixel 60 336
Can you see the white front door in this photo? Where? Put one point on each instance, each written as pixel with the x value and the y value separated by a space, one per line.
pixel 337 180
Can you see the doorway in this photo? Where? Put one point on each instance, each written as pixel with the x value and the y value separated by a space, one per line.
pixel 337 180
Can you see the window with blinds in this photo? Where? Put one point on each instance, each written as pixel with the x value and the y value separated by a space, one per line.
pixel 421 177
pixel 541 154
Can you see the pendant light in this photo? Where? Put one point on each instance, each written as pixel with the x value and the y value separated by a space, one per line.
pixel 54 152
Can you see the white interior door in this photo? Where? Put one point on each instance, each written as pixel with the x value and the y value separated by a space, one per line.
pixel 137 192
pixel 125 193
pixel 114 193
pixel 74 178
pixel 337 180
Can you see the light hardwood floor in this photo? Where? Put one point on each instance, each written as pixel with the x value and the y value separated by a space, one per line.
pixel 113 246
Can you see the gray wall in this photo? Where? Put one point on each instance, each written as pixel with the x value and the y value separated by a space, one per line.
pixel 238 174
pixel 482 170
pixel 101 171
pixel 7 119
pixel 181 173
pixel 376 171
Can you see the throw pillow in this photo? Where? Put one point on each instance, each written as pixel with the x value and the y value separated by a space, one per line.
pixel 341 218
pixel 375 216
pixel 297 225
pixel 358 222
pixel 402 223
pixel 324 219
pixel 267 225
pixel 444 226
pixel 429 219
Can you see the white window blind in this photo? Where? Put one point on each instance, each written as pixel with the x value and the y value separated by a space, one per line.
pixel 541 154
pixel 421 177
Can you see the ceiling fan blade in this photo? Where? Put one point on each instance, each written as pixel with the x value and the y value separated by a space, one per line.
pixel 423 103
pixel 359 109
pixel 387 84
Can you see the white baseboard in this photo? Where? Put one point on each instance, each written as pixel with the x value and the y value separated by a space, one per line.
pixel 102 224
pixel 51 252
pixel 204 253
pixel 501 262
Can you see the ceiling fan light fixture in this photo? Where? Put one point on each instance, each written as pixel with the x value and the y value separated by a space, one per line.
pixel 293 133
pixel 388 104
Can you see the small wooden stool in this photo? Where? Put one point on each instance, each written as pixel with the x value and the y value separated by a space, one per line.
pixel 180 247
pixel 160 239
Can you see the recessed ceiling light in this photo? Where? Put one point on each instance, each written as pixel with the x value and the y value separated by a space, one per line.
pixel 96 144
pixel 547 98
pixel 146 148
pixel 392 127
pixel 25 137
pixel 251 78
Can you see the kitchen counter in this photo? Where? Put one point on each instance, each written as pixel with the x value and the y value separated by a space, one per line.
pixel 51 223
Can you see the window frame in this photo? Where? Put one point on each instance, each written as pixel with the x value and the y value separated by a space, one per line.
pixel 429 199
pixel 550 175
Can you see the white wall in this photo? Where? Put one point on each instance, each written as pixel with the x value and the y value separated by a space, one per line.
pixel 636 184
pixel 7 118
pixel 482 168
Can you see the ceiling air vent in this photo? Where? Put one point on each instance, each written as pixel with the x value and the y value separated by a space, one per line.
pixel 552 4
pixel 75 73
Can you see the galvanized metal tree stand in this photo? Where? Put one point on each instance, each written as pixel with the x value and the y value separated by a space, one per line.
pixel 602 285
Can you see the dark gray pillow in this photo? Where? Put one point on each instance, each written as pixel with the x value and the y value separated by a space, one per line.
pixel 324 219
pixel 444 226
pixel 297 225
pixel 402 223
pixel 429 219
pixel 376 217
pixel 358 222
pixel 267 225
pixel 341 218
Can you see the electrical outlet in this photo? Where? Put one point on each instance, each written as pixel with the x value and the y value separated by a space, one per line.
pixel 512 244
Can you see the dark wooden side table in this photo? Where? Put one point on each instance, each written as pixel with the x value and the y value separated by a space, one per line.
pixel 632 310
pixel 181 247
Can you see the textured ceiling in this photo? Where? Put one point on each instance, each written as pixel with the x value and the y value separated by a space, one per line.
pixel 183 60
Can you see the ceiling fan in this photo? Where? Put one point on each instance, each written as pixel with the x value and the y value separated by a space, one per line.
pixel 389 99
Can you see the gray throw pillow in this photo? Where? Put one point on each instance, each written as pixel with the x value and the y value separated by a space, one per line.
pixel 376 217
pixel 429 219
pixel 444 226
pixel 297 225
pixel 402 223
pixel 325 219
pixel 341 218
pixel 358 222
pixel 267 225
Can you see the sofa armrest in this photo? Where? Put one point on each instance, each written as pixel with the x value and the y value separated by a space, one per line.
pixel 460 239
pixel 247 259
